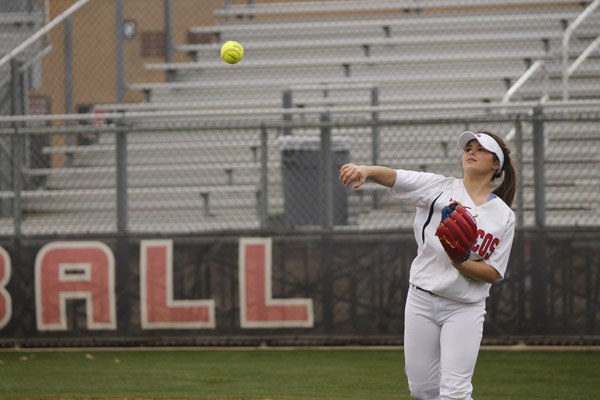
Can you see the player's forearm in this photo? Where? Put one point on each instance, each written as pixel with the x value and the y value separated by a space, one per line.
pixel 477 270
pixel 381 175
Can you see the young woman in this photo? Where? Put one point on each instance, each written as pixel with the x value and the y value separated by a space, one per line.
pixel 445 306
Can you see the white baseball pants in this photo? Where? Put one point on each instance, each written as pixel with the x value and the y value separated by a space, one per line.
pixel 441 343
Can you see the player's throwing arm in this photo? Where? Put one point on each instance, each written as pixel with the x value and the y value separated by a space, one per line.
pixel 360 173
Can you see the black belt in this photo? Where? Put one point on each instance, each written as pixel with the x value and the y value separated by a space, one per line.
pixel 424 290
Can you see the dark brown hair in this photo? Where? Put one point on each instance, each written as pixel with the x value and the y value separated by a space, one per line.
pixel 508 187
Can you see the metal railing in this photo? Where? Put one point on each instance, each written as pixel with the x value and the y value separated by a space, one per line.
pixel 47 28
pixel 568 70
pixel 531 71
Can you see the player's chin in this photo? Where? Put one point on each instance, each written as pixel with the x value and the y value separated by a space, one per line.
pixel 472 168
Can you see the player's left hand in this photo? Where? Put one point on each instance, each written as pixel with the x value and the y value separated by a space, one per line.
pixel 457 232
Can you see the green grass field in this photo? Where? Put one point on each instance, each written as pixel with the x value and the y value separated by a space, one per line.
pixel 371 374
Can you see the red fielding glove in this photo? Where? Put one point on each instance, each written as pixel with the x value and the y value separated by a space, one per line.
pixel 457 232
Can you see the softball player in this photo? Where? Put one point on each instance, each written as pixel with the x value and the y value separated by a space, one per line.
pixel 445 306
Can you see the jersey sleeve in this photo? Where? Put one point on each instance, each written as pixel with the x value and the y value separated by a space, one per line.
pixel 499 259
pixel 416 187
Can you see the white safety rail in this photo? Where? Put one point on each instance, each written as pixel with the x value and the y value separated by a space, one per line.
pixel 43 31
pixel 568 70
pixel 15 28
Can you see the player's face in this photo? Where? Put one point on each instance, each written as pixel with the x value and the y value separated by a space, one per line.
pixel 478 160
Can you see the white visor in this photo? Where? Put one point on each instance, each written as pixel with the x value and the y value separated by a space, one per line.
pixel 486 141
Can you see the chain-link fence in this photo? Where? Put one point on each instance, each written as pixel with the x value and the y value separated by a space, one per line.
pixel 151 132
pixel 190 178
pixel 119 122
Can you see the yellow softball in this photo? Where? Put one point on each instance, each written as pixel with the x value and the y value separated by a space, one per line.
pixel 232 52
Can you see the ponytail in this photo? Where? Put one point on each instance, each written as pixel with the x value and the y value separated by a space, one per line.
pixel 507 188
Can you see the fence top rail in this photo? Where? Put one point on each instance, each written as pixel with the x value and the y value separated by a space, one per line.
pixel 151 168
pixel 519 107
pixel 113 191
pixel 414 21
pixel 170 146
pixel 299 7
pixel 20 17
pixel 277 124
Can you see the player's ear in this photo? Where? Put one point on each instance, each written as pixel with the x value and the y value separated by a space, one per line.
pixel 496 168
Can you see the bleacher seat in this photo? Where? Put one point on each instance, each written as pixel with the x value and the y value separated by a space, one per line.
pixel 319 8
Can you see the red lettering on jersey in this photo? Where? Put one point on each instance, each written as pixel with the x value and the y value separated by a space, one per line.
pixel 75 270
pixel 493 245
pixel 258 309
pixel 489 243
pixel 475 247
pixel 5 299
pixel 485 244
pixel 158 307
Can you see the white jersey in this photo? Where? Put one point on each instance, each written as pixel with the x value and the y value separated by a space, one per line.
pixel 432 269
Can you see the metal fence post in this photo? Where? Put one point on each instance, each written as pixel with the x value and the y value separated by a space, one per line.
pixel 69 81
pixel 121 139
pixel 519 244
pixel 17 95
pixel 375 140
pixel 327 279
pixel 519 163
pixel 169 38
pixel 13 166
pixel 17 149
pixel 123 275
pixel 538 167
pixel 119 50
pixel 264 180
pixel 122 252
pixel 121 163
pixel 326 173
pixel 540 269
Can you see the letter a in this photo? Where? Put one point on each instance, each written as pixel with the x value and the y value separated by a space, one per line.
pixel 75 270
pixel 5 299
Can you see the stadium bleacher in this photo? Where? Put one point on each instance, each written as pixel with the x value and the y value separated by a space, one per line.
pixel 211 180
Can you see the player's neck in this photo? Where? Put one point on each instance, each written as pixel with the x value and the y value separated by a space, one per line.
pixel 478 189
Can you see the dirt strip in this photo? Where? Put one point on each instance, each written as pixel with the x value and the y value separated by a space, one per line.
pixel 518 347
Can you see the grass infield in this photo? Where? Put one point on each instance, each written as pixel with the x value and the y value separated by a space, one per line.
pixel 366 374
